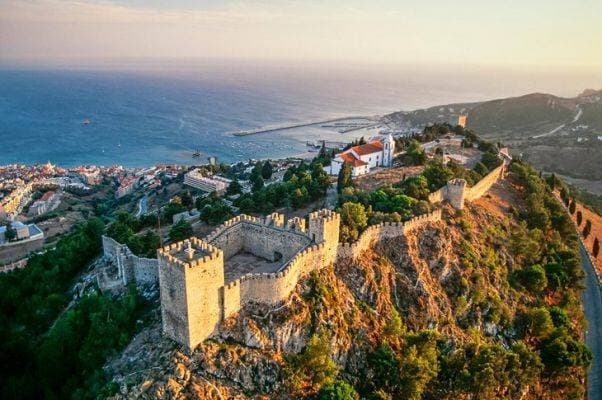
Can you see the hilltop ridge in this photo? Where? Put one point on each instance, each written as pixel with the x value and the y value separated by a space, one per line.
pixel 449 310
pixel 556 134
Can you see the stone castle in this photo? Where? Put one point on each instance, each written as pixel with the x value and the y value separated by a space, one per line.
pixel 249 259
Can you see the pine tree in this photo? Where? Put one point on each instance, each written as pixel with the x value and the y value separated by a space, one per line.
pixel 587 229
pixel 344 179
pixel 596 248
pixel 572 207
pixel 579 218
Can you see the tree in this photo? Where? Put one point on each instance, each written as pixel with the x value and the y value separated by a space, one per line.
pixel 10 234
pixel 234 188
pixel 394 328
pixel 353 220
pixel 180 231
pixel 596 248
pixel 437 174
pixel 587 229
pixel 572 206
pixel 186 199
pixel 312 368
pixel 561 351
pixel 256 181
pixel 339 390
pixel 415 154
pixel 579 218
pixel 536 322
pixel 534 278
pixel 267 170
pixel 415 186
pixel 344 180
pixel 480 169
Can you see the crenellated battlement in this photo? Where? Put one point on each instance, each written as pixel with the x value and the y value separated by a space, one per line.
pixel 196 297
pixel 384 230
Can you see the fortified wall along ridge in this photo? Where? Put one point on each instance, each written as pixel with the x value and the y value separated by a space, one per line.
pixel 202 282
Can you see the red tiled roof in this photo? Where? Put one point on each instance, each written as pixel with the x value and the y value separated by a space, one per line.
pixel 368 148
pixel 47 195
pixel 350 159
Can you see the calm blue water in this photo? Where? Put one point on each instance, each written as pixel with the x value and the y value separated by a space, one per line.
pixel 140 119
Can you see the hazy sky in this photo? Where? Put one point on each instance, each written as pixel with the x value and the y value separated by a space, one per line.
pixel 556 33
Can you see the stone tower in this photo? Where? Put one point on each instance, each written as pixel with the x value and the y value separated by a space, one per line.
pixel 388 150
pixel 456 193
pixel 324 228
pixel 191 275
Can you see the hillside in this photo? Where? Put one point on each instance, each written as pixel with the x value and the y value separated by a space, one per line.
pixel 478 305
pixel 562 135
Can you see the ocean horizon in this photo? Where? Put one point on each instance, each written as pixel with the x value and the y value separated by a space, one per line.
pixel 139 118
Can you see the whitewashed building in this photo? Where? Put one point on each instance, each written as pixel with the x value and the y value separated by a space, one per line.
pixel 362 158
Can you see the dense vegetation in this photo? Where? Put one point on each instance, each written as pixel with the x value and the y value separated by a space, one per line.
pixel 536 348
pixel 46 354
pixel 300 186
pixel 408 197
pixel 125 230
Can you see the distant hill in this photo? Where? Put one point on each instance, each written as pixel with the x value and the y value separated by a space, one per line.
pixel 563 135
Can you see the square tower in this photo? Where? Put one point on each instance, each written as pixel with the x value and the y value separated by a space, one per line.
pixel 324 228
pixel 191 275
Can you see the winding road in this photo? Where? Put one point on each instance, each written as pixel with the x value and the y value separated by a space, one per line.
pixel 592 304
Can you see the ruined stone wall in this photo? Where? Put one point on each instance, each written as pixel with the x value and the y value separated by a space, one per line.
pixel 132 269
pixel 378 232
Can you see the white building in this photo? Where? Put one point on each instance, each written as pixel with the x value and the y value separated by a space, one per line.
pixel 215 183
pixel 22 231
pixel 366 156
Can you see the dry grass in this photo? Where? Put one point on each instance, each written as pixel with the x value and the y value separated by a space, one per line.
pixel 385 176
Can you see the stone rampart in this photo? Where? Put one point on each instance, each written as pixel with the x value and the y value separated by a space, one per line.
pixel 482 186
pixel 378 232
pixel 456 191
pixel 130 268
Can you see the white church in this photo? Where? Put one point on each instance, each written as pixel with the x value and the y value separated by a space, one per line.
pixel 376 153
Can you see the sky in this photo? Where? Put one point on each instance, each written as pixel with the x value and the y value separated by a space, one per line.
pixel 533 33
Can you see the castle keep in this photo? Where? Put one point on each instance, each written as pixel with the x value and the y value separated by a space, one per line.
pixel 247 259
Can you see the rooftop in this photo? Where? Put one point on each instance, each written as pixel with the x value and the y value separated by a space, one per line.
pixel 368 148
pixel 350 159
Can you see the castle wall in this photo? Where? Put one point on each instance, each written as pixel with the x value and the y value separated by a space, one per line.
pixel 438 196
pixel 174 304
pixel 457 193
pixel 204 282
pixel 262 237
pixel 273 288
pixel 132 269
pixel 385 230
pixel 484 184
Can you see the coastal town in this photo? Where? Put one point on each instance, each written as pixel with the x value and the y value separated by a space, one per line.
pixel 250 235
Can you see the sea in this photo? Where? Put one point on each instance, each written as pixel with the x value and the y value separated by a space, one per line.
pixel 143 116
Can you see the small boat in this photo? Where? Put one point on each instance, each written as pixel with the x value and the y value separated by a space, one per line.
pixel 86 122
pixel 196 153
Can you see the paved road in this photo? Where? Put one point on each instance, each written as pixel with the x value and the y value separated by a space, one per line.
pixel 142 206
pixel 592 304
